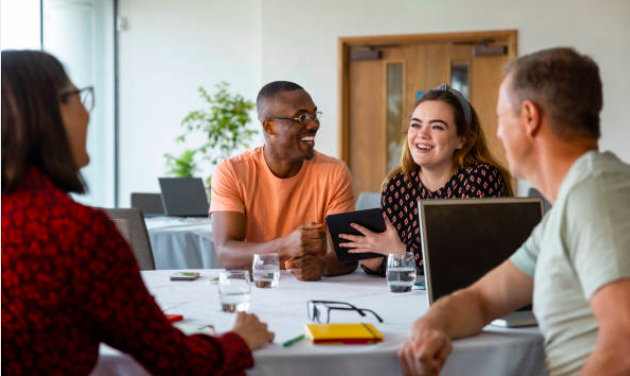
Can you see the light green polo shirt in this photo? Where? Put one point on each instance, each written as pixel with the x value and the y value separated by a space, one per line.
pixel 582 244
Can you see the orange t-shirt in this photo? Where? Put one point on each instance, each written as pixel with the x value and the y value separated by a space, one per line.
pixel 274 207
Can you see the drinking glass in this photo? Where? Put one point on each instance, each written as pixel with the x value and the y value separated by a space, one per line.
pixel 266 270
pixel 401 271
pixel 234 290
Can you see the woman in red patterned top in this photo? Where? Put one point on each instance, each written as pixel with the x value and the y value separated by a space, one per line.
pixel 445 156
pixel 69 280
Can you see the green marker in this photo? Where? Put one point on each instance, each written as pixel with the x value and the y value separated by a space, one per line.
pixel 293 341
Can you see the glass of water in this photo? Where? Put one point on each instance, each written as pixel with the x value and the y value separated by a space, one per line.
pixel 401 271
pixel 234 290
pixel 266 270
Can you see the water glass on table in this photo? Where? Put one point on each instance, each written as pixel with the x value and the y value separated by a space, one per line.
pixel 401 271
pixel 234 290
pixel 266 270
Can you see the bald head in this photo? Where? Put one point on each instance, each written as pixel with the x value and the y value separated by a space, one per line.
pixel 268 93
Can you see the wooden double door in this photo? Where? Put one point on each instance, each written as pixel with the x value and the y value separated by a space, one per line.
pixel 382 77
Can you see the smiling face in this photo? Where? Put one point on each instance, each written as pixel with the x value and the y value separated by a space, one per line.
pixel 290 139
pixel 432 136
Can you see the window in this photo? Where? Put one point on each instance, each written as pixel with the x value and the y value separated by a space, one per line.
pixel 394 114
pixel 20 24
pixel 460 76
pixel 80 33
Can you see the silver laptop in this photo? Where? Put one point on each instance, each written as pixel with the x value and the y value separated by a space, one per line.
pixel 184 197
pixel 462 240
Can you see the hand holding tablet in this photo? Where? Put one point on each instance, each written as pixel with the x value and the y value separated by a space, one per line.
pixel 363 234
pixel 376 242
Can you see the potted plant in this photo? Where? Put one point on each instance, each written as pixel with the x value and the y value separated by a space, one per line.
pixel 223 124
pixel 183 166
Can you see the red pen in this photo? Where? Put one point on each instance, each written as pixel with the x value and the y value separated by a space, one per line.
pixel 174 317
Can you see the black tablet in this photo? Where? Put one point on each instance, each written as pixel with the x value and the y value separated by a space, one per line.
pixel 372 219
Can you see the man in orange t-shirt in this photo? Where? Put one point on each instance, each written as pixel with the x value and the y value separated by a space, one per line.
pixel 274 199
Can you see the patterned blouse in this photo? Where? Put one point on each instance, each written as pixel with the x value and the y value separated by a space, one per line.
pixel 70 282
pixel 399 201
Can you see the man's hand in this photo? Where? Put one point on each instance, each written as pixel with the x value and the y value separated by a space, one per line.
pixel 308 239
pixel 425 351
pixel 307 268
pixel 252 331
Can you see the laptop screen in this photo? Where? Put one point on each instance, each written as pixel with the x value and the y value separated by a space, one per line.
pixel 462 240
pixel 184 197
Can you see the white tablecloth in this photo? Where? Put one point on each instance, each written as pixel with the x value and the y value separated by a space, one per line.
pixel 182 243
pixel 496 351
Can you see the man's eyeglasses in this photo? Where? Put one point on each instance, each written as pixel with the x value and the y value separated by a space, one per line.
pixel 319 310
pixel 87 96
pixel 302 119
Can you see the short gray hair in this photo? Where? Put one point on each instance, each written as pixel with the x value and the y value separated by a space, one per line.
pixel 565 84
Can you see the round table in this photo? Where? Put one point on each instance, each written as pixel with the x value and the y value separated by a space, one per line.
pixel 182 243
pixel 495 351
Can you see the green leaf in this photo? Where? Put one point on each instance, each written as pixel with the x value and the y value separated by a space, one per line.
pixel 223 120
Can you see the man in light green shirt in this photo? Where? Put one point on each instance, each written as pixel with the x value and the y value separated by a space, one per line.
pixel 582 245
pixel 575 266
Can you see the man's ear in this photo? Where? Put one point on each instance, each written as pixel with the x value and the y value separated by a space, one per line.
pixel 269 126
pixel 531 117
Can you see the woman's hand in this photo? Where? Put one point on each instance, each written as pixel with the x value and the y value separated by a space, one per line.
pixel 382 243
pixel 253 332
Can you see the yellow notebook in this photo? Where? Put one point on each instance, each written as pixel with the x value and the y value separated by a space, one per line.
pixel 342 333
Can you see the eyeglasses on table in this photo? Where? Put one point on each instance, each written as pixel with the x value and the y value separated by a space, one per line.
pixel 319 310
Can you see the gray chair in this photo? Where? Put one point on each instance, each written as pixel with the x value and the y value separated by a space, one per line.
pixel 368 200
pixel 137 231
pixel 533 192
pixel 149 203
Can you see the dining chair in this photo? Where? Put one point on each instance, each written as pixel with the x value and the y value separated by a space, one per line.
pixel 533 192
pixel 133 219
pixel 368 200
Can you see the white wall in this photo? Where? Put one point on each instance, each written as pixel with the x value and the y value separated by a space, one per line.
pixel 303 47
pixel 171 47
pixel 167 51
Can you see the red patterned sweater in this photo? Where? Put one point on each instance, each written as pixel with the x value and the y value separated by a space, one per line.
pixel 70 282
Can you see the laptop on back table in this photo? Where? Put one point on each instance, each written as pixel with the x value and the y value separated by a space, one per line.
pixel 184 197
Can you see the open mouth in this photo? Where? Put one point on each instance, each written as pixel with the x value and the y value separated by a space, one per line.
pixel 309 140
pixel 423 148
